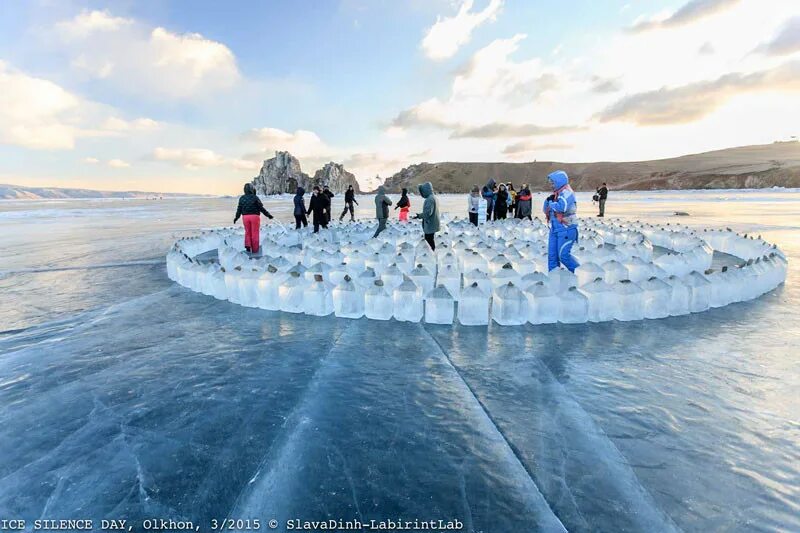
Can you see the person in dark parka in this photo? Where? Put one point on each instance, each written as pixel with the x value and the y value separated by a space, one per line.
pixel 349 200
pixel 430 213
pixel 501 203
pixel 300 209
pixel 327 192
pixel 382 204
pixel 250 209
pixel 319 205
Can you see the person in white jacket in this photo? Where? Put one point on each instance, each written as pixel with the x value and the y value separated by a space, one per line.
pixel 474 204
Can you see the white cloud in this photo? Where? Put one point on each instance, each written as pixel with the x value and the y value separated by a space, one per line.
pixel 786 42
pixel 117 124
pixel 150 62
pixel 191 158
pixel 37 113
pixel 118 163
pixel 91 160
pixel 688 13
pixel 89 22
pixel 448 34
pixel 301 143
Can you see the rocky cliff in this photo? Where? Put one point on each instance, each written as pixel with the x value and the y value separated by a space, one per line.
pixel 336 177
pixel 282 174
pixel 769 165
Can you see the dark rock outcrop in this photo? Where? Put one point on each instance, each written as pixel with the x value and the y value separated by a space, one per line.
pixel 282 174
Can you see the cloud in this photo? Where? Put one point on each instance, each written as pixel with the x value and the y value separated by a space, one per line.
pixel 524 147
pixel 89 22
pixel 190 158
pixel 301 143
pixel 490 84
pixel 118 163
pixel 448 34
pixel 786 42
pixel 37 113
pixel 91 160
pixel 506 130
pixel 695 101
pixel 707 49
pixel 116 124
pixel 602 85
pixel 686 14
pixel 150 62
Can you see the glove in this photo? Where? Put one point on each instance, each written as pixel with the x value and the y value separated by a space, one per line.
pixel 235 220
pixel 551 198
pixel 270 217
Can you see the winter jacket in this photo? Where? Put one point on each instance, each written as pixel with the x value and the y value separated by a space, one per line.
pixel 430 209
pixel 250 204
pixel 473 203
pixel 501 203
pixel 524 203
pixel 404 203
pixel 562 211
pixel 382 204
pixel 512 197
pixel 602 192
pixel 318 204
pixel 299 202
pixel 350 196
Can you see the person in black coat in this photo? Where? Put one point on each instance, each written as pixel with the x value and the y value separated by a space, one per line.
pixel 250 209
pixel 602 196
pixel 300 209
pixel 349 199
pixel 327 192
pixel 501 203
pixel 319 205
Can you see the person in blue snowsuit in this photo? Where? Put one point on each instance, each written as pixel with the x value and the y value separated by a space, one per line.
pixel 561 210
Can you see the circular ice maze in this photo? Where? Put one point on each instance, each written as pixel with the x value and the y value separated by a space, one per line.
pixel 497 271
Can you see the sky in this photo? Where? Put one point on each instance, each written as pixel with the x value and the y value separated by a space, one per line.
pixel 180 96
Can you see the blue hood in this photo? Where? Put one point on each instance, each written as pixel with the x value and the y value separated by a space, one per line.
pixel 558 179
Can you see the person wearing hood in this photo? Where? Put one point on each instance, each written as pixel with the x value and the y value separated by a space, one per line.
pixel 430 213
pixel 319 205
pixel 382 204
pixel 327 192
pixel 300 209
pixel 349 199
pixel 512 200
pixel 250 209
pixel 489 195
pixel 524 203
pixel 474 204
pixel 501 203
pixel 560 209
pixel 404 204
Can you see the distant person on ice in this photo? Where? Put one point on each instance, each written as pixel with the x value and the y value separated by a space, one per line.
pixel 250 209
pixel 382 204
pixel 300 209
pixel 501 203
pixel 474 204
pixel 405 205
pixel 560 209
pixel 430 213
pixel 524 202
pixel 489 195
pixel 602 195
pixel 319 205
pixel 349 200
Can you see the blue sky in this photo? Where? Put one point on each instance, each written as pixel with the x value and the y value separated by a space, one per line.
pixel 192 96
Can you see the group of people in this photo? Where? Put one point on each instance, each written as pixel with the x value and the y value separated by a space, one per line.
pixel 560 210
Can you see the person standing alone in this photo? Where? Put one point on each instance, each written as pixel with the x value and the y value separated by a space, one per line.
pixel 602 195
pixel 430 213
pixel 250 209
pixel 382 204
pixel 349 200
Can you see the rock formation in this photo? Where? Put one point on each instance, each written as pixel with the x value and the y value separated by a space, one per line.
pixel 336 177
pixel 282 174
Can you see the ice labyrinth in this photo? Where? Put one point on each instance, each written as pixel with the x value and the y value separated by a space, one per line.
pixel 497 271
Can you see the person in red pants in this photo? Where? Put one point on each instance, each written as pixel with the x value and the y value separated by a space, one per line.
pixel 250 209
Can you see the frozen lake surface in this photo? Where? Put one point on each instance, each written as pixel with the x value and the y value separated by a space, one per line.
pixel 125 396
